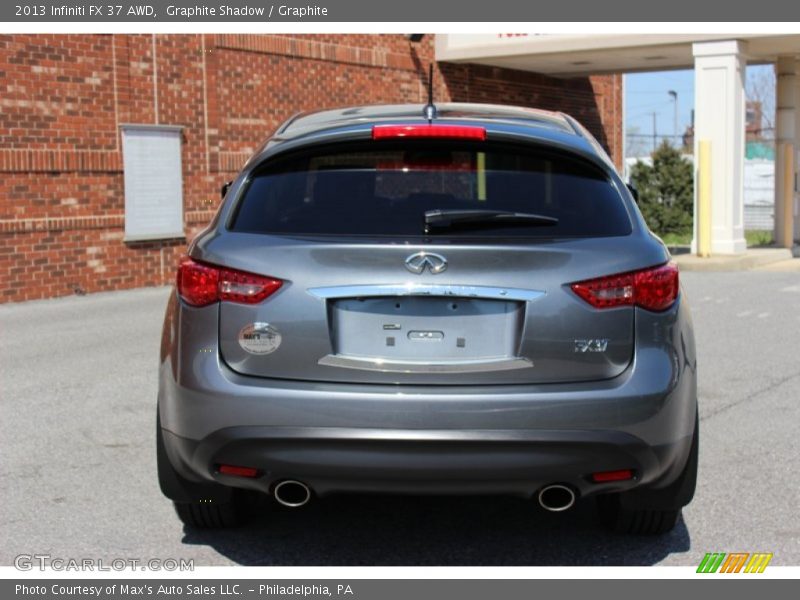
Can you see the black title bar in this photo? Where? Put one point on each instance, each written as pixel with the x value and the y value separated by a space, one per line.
pixel 497 11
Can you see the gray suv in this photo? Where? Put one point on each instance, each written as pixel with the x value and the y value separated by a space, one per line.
pixel 458 300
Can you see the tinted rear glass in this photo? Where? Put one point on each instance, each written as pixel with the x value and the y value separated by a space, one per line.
pixel 384 189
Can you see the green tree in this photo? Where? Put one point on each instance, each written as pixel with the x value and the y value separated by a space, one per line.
pixel 666 191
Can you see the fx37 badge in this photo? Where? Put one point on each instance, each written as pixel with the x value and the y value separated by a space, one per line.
pixel 596 345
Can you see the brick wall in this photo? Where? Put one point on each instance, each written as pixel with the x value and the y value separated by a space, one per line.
pixel 62 98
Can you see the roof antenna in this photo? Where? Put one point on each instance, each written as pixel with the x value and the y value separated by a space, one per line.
pixel 430 109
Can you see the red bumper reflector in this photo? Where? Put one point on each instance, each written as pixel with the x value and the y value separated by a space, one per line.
pixel 621 475
pixel 238 471
pixel 459 132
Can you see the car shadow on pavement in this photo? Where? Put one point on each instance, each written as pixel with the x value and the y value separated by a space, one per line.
pixel 435 531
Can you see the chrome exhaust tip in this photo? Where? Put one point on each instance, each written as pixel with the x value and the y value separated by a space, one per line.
pixel 556 497
pixel 291 493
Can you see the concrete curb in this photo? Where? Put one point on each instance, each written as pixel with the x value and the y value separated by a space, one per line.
pixel 751 259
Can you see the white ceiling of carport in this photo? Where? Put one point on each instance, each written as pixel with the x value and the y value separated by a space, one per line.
pixel 571 55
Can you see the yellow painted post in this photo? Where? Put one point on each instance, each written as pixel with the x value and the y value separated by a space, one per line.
pixel 788 195
pixel 482 176
pixel 704 198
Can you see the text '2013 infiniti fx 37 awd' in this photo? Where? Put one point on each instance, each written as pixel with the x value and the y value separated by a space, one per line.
pixel 458 301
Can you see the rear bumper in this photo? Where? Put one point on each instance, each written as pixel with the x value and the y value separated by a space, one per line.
pixel 430 439
pixel 423 462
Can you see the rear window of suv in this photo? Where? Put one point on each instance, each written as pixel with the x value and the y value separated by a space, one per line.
pixel 385 189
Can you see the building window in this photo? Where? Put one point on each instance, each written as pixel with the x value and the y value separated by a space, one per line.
pixel 151 156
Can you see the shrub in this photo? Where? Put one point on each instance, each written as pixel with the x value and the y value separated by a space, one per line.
pixel 666 191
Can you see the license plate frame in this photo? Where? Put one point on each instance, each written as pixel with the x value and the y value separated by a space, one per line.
pixel 426 330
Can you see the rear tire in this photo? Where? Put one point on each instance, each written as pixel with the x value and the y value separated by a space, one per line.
pixel 637 521
pixel 652 512
pixel 209 516
pixel 199 505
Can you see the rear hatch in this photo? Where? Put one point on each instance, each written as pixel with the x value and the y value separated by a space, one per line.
pixel 430 262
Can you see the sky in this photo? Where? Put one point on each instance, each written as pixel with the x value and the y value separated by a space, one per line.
pixel 648 93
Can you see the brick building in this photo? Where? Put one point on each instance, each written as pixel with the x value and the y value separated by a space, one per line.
pixel 64 98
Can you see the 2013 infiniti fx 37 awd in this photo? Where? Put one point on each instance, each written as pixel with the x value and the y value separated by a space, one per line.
pixel 461 301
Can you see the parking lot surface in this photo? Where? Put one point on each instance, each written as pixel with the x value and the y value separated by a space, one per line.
pixel 78 479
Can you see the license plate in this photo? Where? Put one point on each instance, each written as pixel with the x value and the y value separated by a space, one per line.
pixel 414 329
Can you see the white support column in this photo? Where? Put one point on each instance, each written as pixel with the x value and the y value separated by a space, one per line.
pixel 719 69
pixel 797 149
pixel 786 131
pixel 796 211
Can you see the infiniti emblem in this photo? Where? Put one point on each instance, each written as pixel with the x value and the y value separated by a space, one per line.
pixel 417 263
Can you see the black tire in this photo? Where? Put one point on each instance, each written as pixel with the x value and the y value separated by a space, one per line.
pixel 209 516
pixel 199 505
pixel 637 521
pixel 652 512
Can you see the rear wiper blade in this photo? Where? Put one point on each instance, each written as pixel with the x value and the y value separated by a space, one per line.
pixel 478 218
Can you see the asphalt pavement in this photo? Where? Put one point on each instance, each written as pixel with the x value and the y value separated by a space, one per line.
pixel 78 479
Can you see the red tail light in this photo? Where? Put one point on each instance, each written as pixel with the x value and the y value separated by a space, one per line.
pixel 201 284
pixel 461 132
pixel 654 289
pixel 197 284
